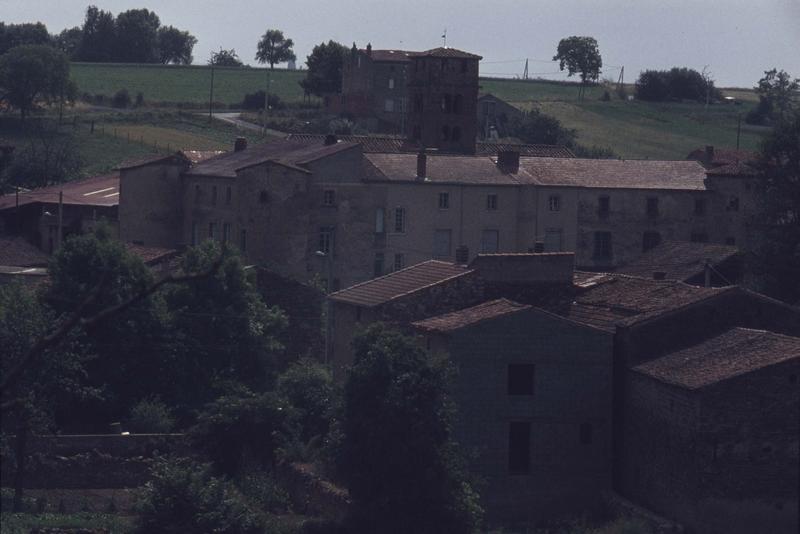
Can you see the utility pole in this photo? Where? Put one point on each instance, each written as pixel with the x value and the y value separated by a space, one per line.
pixel 211 94
pixel 621 80
pixel 60 218
pixel 525 72
pixel 738 131
pixel 444 38
pixel 266 101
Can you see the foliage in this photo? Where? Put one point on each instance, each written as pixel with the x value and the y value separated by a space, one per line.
pixel 274 48
pixel 593 152
pixel 261 488
pixel 151 416
pixel 400 464
pixel 579 55
pixel 137 36
pixel 225 58
pixel 324 75
pixel 240 430
pixel 678 83
pixel 537 128
pixel 33 72
pixel 69 41
pixel 121 99
pixel 185 497
pixel 48 157
pixel 307 386
pixel 25 523
pixel 99 36
pixel 175 46
pixel 256 101
pixel 778 96
pixel 777 260
pixel 12 35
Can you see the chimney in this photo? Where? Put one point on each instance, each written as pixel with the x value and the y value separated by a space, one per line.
pixel 710 153
pixel 369 49
pixel 508 160
pixel 422 164
pixel 462 255
pixel 331 139
pixel 659 275
pixel 240 144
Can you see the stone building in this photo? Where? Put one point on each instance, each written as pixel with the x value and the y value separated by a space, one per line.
pixel 494 116
pixel 701 264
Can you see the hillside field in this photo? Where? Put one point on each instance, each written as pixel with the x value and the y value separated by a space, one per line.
pixel 632 129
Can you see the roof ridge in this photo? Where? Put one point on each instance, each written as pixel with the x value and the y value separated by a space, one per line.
pixel 387 275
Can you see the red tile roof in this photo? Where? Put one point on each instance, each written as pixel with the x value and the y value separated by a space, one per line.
pixel 196 156
pixel 612 173
pixel 447 52
pixel 399 56
pixel 95 191
pixel 399 283
pixel 733 169
pixel 16 251
pixel 151 255
pixel 734 353
pixel 679 260
pixel 149 160
pixel 475 170
pixel 456 320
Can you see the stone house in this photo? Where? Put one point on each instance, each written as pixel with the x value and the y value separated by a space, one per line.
pixel 691 262
pixel 494 116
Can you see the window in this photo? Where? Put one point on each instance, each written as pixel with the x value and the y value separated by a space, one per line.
pixel 602 245
pixel 700 206
pixel 650 240
pixel 491 202
pixel 554 203
pixel 328 197
pixel 214 195
pixel 585 432
pixel 490 241
pixel 444 201
pixel 194 233
pixel 445 133
pixel 733 204
pixel 388 105
pixel 379 221
pixel 456 135
pixel 399 261
pixel 198 192
pixel 212 230
pixel 699 237
pixel 378 265
pixel 391 83
pixel 521 379
pixel 325 244
pixel 519 448
pixel 652 207
pixel 458 104
pixel 228 195
pixel 243 241
pixel 447 104
pixel 730 241
pixel 226 232
pixel 552 239
pixel 400 220
pixel 603 207
pixel 441 243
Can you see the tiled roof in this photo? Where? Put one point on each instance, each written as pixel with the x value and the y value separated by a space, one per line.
pixel 289 153
pixel 611 299
pixel 16 251
pixel 722 156
pixel 476 170
pixel 734 353
pixel 733 169
pixel 679 260
pixel 470 316
pixel 151 254
pixel 95 191
pixel 612 173
pixel 444 51
pixel 399 283
pixel 149 160
pixel 196 156
pixel 401 56
pixel 398 145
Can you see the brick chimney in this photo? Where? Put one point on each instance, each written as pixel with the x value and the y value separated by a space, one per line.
pixel 240 144
pixel 508 160
pixel 369 49
pixel 422 164
pixel 331 139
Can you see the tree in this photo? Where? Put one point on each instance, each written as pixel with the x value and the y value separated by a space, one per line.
pixel 678 83
pixel 580 55
pixel 99 36
pixel 401 466
pixel 50 157
pixel 274 48
pixel 778 223
pixel 225 58
pixel 137 36
pixel 778 96
pixel 33 72
pixel 324 75
pixel 69 41
pixel 12 35
pixel 175 46
pixel 537 128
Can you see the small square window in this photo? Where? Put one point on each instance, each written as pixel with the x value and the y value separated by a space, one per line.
pixel 602 245
pixel 521 378
pixel 491 202
pixel 444 201
pixel 400 220
pixel 325 244
pixel 378 265
pixel 554 203
pixel 328 197
pixel 399 261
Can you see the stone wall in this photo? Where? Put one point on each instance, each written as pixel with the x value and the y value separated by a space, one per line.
pixel 150 208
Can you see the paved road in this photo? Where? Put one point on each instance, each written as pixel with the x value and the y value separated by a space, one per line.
pixel 233 118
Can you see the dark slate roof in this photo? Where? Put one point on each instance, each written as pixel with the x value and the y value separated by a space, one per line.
pixel 605 300
pixel 679 260
pixel 734 353
pixel 456 320
pixel 733 169
pixel 612 173
pixel 399 283
pixel 475 170
pixel 288 153
pixel 16 251
pixel 399 56
pixel 446 52
pixel 385 144
pixel 95 191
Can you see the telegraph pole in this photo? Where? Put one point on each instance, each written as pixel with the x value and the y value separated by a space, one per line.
pixel 60 218
pixel 525 73
pixel 211 94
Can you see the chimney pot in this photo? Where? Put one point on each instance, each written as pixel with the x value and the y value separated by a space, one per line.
pixel 240 144
pixel 331 139
pixel 508 160
pixel 422 164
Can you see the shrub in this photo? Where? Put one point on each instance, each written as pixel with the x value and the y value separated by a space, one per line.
pixel 152 416
pixel 307 386
pixel 262 489
pixel 139 99
pixel 256 101
pixel 122 99
pixel 183 496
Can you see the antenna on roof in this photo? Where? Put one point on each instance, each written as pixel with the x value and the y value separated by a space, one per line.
pixel 444 38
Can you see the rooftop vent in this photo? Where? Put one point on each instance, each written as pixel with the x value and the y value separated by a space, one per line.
pixel 240 144
pixel 508 160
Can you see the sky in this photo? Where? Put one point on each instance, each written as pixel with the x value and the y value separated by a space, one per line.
pixel 735 40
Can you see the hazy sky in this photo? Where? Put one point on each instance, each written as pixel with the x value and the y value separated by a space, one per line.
pixel 736 39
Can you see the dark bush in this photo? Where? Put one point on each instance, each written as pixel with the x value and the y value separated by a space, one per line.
pixel 100 99
pixel 536 127
pixel 652 86
pixel 184 496
pixel 122 99
pixel 678 83
pixel 256 101
pixel 151 416
pixel 139 99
